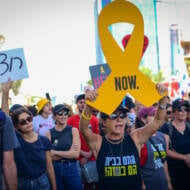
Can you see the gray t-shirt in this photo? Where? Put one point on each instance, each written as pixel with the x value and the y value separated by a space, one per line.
pixel 153 170
pixel 9 140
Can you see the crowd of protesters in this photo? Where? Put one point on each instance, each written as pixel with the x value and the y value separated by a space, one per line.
pixel 49 146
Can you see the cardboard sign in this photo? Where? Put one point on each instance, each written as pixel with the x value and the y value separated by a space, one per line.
pixel 12 65
pixel 98 74
pixel 125 76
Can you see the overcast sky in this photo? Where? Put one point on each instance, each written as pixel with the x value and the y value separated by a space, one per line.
pixel 58 41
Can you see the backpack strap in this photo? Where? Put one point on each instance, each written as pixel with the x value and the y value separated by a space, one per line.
pixel 170 129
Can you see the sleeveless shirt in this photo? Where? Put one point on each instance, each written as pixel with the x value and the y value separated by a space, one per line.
pixel 62 140
pixel 153 172
pixel 118 165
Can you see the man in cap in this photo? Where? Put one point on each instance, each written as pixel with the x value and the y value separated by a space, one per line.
pixel 85 153
pixel 43 121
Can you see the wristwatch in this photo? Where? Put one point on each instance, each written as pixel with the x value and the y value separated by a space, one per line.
pixel 162 107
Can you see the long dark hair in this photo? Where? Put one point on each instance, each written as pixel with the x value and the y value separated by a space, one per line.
pixel 17 112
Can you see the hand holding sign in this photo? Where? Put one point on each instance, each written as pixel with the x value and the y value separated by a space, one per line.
pixel 125 76
pixel 12 65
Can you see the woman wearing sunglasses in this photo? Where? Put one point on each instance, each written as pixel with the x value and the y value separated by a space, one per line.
pixel 66 148
pixel 117 154
pixel 33 157
pixel 177 135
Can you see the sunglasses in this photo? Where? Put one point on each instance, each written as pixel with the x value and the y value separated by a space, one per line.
pixel 180 109
pixel 24 121
pixel 114 116
pixel 169 112
pixel 60 113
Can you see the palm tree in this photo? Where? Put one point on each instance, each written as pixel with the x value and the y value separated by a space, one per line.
pixel 15 87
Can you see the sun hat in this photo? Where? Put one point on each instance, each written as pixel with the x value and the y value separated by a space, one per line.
pixel 41 103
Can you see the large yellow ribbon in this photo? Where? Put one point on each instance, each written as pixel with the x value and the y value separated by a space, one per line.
pixel 125 76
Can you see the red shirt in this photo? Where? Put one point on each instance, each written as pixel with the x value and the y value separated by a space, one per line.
pixel 74 122
pixel 143 155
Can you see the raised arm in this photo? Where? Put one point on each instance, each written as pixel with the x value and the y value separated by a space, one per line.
pixel 93 140
pixel 5 87
pixel 141 135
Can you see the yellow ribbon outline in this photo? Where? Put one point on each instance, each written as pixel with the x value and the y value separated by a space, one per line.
pixel 122 63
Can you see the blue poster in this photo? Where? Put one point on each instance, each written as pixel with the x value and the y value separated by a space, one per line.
pixel 12 65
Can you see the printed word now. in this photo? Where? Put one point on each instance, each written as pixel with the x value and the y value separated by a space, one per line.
pixel 125 83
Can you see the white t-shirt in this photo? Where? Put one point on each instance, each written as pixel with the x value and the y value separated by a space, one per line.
pixel 42 125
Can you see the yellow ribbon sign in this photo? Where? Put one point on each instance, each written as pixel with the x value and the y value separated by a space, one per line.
pixel 125 76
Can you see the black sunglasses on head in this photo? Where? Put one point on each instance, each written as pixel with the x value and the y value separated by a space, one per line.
pixel 114 116
pixel 63 112
pixel 24 121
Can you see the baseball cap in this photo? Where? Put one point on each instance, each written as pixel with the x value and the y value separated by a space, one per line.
pixel 179 102
pixel 14 107
pixel 80 97
pixel 59 107
pixel 145 111
pixel 41 103
pixel 128 102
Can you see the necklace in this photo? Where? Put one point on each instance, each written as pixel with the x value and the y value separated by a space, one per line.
pixel 114 141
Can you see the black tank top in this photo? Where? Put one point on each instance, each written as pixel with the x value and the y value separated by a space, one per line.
pixel 118 165
pixel 61 140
